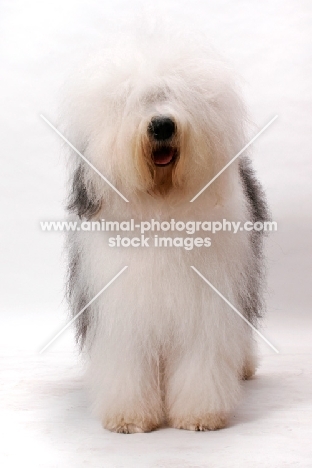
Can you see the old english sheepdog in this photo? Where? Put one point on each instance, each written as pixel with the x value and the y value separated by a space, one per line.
pixel 159 118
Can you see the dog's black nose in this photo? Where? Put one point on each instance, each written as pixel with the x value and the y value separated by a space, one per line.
pixel 162 128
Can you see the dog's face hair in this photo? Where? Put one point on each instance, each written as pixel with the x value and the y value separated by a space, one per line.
pixel 154 121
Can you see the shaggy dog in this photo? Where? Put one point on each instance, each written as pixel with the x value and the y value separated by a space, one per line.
pixel 159 118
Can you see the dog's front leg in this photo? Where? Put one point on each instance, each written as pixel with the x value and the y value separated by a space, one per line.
pixel 125 388
pixel 202 387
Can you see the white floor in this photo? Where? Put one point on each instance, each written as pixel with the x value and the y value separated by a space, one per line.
pixel 46 421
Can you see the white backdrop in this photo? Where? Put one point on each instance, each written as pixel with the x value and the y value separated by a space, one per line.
pixel 269 43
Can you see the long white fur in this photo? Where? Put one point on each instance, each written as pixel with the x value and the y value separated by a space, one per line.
pixel 162 344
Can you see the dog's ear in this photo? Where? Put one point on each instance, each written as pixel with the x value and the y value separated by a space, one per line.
pixel 82 198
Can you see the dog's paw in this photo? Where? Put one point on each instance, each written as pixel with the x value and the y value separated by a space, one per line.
pixel 211 422
pixel 127 429
pixel 123 427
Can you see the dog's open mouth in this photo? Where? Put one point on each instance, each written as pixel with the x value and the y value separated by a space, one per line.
pixel 164 155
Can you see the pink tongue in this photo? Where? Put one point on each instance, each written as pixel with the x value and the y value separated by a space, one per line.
pixel 163 156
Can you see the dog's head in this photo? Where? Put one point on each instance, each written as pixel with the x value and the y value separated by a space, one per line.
pixel 156 118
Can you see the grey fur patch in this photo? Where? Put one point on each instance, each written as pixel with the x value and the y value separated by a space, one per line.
pixel 252 303
pixel 84 203
pixel 75 291
pixel 82 199
pixel 254 192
